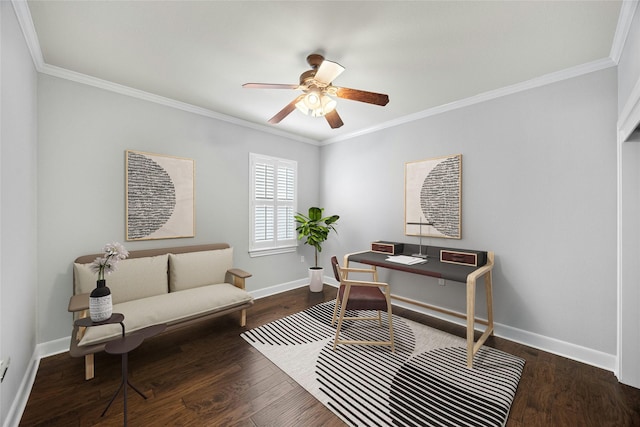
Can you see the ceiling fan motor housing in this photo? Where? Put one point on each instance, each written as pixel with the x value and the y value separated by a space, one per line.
pixel 315 59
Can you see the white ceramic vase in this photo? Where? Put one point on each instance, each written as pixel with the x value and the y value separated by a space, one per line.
pixel 316 275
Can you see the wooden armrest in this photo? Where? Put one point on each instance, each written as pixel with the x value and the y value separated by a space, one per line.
pixel 78 302
pixel 357 270
pixel 364 283
pixel 238 277
pixel 239 273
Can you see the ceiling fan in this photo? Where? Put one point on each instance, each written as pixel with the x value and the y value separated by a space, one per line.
pixel 316 100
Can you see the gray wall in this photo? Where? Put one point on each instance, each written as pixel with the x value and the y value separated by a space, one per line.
pixel 18 257
pixel 539 189
pixel 83 135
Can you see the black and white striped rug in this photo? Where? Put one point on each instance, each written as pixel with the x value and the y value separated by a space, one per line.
pixel 424 383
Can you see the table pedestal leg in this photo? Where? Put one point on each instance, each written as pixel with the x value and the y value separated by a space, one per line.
pixel 123 384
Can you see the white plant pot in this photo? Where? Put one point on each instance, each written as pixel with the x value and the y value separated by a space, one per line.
pixel 316 275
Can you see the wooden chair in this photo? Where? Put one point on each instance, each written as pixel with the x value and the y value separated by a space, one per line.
pixel 360 295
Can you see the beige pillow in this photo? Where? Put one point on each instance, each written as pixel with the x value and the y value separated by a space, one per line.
pixel 194 269
pixel 133 279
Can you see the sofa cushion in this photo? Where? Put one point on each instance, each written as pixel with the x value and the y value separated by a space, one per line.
pixel 168 308
pixel 133 278
pixel 194 269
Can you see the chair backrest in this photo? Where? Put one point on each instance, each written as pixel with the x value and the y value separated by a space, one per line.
pixel 336 268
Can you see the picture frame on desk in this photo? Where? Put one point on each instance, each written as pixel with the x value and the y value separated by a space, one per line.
pixel 433 197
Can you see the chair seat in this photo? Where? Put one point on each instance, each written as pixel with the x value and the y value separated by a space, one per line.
pixel 363 295
pixel 364 298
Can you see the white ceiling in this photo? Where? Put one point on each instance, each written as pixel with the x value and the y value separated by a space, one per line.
pixel 423 54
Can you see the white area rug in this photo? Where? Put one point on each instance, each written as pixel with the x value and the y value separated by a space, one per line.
pixel 424 383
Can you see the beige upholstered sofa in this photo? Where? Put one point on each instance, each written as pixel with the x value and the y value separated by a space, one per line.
pixel 175 286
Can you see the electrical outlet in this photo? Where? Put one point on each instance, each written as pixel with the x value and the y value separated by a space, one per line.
pixel 4 365
pixel 301 258
pixel 441 282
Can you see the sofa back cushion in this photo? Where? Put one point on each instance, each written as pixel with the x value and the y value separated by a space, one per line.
pixel 195 269
pixel 133 278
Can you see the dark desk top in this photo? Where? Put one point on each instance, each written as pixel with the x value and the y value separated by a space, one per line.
pixel 433 267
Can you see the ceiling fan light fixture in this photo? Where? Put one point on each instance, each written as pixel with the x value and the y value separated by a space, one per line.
pixel 316 105
pixel 318 90
pixel 312 100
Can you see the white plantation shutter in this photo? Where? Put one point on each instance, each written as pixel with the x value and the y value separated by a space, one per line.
pixel 264 187
pixel 285 226
pixel 264 223
pixel 273 204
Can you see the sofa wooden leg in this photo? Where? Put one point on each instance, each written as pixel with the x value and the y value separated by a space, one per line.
pixel 243 317
pixel 89 372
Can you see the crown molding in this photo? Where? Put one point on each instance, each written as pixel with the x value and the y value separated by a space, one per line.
pixel 629 117
pixel 66 74
pixel 26 23
pixel 558 76
pixel 31 37
pixel 29 31
pixel 627 10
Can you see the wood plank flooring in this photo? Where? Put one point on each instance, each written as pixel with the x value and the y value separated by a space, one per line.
pixel 207 375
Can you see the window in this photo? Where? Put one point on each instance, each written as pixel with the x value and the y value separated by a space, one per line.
pixel 272 204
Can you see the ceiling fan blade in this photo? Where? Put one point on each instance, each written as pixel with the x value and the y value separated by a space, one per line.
pixel 333 118
pixel 269 86
pixel 328 71
pixel 285 111
pixel 362 96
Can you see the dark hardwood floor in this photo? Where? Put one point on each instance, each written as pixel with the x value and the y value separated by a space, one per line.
pixel 207 375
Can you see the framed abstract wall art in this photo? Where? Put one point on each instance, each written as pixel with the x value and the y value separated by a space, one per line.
pixel 433 195
pixel 160 196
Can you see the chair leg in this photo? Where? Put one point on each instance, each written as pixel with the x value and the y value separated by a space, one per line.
pixel 343 308
pixel 335 340
pixel 335 310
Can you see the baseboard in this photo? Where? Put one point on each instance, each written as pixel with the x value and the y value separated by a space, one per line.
pixel 550 345
pixel 277 289
pixel 51 348
pixel 575 352
pixel 22 396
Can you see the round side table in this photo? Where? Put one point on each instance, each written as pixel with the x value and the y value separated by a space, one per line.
pixel 115 318
pixel 123 346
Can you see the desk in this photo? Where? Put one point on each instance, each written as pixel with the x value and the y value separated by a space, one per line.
pixel 454 272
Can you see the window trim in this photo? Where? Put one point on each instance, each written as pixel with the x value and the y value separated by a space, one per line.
pixel 275 246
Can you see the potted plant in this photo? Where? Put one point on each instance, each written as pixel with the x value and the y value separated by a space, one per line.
pixel 315 229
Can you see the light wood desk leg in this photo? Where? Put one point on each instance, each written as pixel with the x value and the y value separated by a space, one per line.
pixel 488 285
pixel 471 316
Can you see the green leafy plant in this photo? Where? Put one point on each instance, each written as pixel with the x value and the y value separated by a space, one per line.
pixel 315 228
